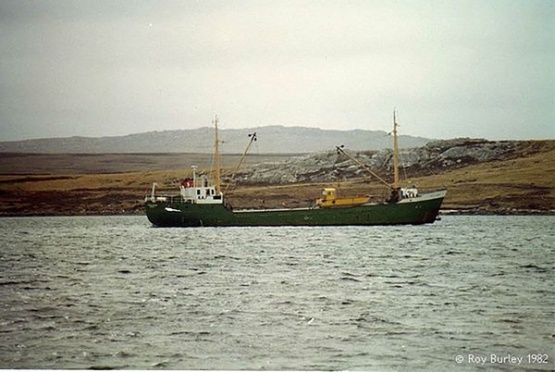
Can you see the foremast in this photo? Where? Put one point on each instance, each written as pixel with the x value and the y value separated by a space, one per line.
pixel 196 191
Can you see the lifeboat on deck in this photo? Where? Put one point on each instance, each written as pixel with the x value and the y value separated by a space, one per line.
pixel 330 199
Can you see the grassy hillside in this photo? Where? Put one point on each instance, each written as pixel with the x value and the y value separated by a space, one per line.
pixel 17 163
pixel 516 185
pixel 522 183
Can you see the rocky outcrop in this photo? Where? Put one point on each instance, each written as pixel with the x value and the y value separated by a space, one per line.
pixel 435 156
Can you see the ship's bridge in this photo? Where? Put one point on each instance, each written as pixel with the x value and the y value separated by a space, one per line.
pixel 192 193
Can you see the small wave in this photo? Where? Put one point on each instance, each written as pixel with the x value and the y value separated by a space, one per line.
pixel 162 364
pixel 225 257
pixel 533 267
pixel 350 279
pixel 349 276
pixel 107 368
pixel 509 320
pixel 452 252
pixel 20 282
pixel 125 354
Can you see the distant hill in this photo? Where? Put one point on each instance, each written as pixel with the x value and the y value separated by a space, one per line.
pixel 271 140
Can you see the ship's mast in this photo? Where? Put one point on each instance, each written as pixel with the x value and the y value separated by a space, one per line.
pixel 395 154
pixel 216 157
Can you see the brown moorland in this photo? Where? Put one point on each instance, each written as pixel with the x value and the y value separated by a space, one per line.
pixel 64 184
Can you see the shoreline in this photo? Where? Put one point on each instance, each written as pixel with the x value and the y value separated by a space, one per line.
pixel 517 185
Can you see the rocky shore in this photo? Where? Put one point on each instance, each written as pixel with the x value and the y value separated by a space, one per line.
pixel 433 158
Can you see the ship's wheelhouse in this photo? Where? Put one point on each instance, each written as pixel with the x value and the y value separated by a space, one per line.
pixel 201 195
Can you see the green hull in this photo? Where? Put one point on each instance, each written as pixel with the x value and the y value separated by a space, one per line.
pixel 415 211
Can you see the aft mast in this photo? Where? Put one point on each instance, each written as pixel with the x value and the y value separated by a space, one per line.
pixel 217 181
pixel 395 154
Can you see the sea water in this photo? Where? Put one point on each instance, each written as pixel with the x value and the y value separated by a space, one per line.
pixel 464 293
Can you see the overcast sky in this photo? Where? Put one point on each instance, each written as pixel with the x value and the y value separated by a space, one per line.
pixel 451 68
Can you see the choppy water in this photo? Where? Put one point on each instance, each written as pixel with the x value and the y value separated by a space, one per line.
pixel 113 292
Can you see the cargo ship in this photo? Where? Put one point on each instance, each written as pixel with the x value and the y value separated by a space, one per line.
pixel 201 203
